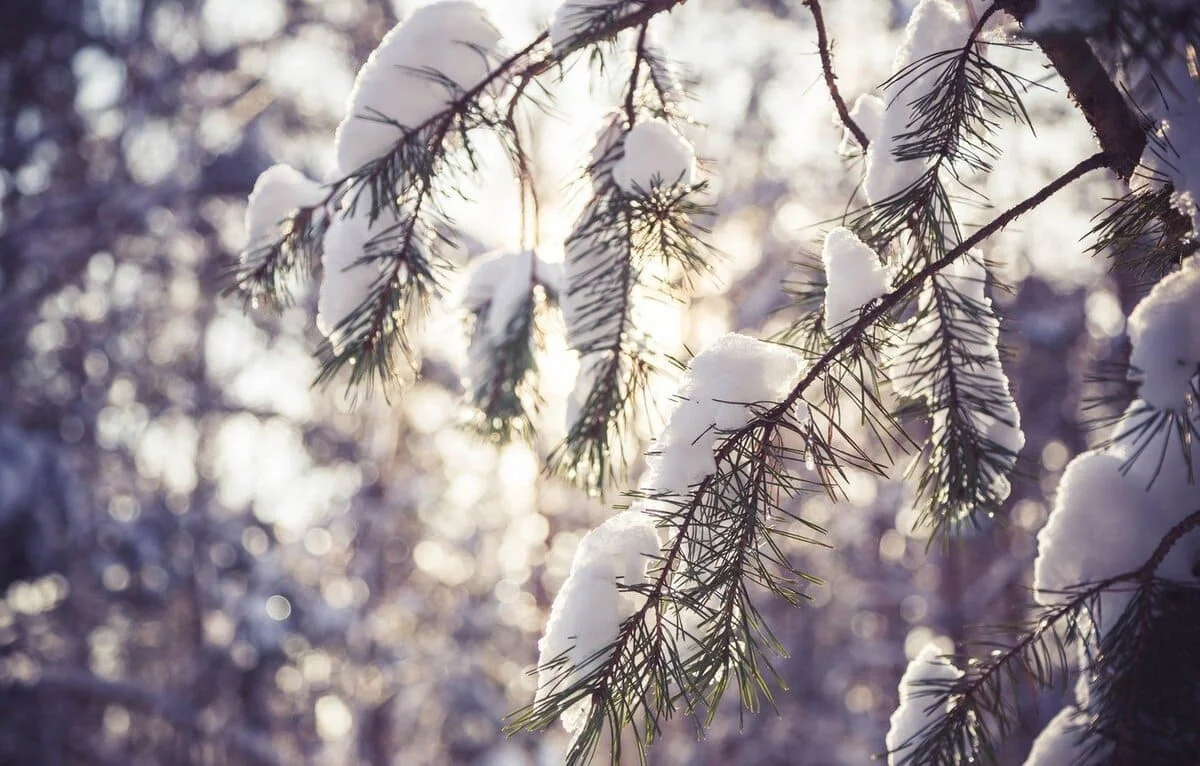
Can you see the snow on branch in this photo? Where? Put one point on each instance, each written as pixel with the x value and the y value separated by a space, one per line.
pixel 436 80
pixel 854 275
pixel 916 712
pixel 1115 575
pixel 283 232
pixel 639 224
pixel 948 358
pixel 505 293
pixel 941 105
pixel 419 69
pixel 720 473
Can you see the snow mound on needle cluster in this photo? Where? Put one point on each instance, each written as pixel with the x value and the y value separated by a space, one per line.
pixel 717 396
pixel 934 27
pixel 916 689
pixel 1164 330
pixel 347 279
pixel 854 275
pixel 499 288
pixel 654 155
pixel 591 605
pixel 418 70
pixel 279 192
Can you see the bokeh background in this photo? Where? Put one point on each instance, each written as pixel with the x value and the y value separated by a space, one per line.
pixel 205 560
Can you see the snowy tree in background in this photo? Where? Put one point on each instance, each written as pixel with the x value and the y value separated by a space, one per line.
pixel 891 361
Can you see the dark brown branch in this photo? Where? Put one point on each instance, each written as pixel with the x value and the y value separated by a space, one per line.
pixel 1121 134
pixel 893 299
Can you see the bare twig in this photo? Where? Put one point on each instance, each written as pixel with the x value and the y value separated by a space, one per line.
pixel 824 48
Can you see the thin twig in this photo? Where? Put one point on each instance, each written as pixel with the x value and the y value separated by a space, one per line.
pixel 823 47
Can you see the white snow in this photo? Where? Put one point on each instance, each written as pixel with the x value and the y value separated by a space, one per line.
pixel 1060 742
pixel 721 382
pixel 1164 330
pixel 346 281
pixel 590 367
pixel 654 155
pixel 499 285
pixel 419 68
pixel 935 26
pixel 867 113
pixel 913 713
pixel 589 608
pixel 1095 528
pixel 1169 94
pixel 1112 511
pixel 854 277
pixel 278 193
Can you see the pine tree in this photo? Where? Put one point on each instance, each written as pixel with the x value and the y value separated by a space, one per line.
pixel 893 350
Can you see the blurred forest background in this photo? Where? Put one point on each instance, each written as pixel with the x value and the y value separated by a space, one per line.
pixel 204 560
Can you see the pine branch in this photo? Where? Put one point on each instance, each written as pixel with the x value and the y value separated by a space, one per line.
pixel 504 397
pixel 721 536
pixel 1142 232
pixel 977 707
pixel 949 130
pixel 402 183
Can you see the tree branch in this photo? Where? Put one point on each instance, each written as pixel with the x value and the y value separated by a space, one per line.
pixel 824 49
pixel 1120 132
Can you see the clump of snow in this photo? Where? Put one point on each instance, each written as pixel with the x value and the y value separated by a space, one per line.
pixel 500 283
pixel 867 113
pixel 499 287
pixel 934 27
pixel 1093 531
pixel 854 277
pixel 1169 94
pixel 654 155
pixel 347 280
pixel 573 18
pixel 715 396
pixel 1061 742
pixel 279 192
pixel 928 672
pixel 419 69
pixel 1164 330
pixel 590 368
pixel 588 611
pixel 1113 509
